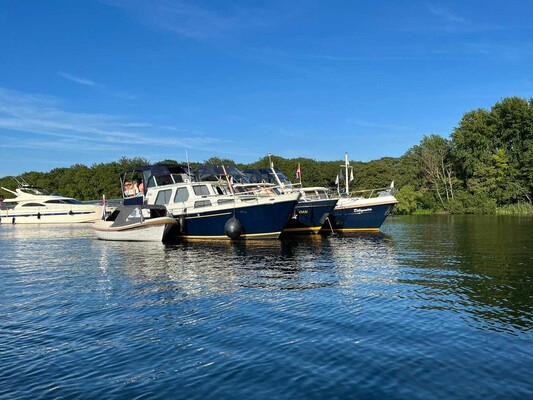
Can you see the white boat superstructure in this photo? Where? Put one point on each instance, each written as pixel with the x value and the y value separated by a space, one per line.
pixel 34 205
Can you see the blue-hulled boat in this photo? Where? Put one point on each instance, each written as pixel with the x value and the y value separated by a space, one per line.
pixel 365 212
pixel 208 209
pixel 312 210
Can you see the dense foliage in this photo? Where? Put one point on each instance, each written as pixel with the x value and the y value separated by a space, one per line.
pixel 485 165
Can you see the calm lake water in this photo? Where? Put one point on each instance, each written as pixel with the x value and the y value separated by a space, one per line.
pixel 431 308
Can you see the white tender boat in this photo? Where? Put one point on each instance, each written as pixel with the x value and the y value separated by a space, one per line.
pixel 136 223
pixel 34 205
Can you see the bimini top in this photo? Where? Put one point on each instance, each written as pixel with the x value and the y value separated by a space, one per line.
pixel 266 175
pixel 219 172
pixel 155 175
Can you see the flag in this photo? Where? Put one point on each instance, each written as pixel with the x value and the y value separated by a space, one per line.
pixel 298 172
pixel 346 162
pixel 351 175
pixel 392 185
pixel 337 180
pixel 103 207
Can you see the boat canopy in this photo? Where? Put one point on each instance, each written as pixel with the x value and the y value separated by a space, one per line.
pixel 219 172
pixel 266 175
pixel 155 175
pixel 131 214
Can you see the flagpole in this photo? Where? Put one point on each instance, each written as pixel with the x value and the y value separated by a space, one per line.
pixel 103 207
pixel 346 179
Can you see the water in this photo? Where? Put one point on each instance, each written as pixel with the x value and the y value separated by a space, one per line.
pixel 431 308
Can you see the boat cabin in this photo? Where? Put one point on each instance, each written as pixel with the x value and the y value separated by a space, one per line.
pixel 136 182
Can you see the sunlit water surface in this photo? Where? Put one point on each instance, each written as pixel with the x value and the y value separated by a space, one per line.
pixel 431 308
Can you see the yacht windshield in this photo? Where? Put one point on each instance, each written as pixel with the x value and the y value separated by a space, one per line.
pixel 34 190
pixel 63 201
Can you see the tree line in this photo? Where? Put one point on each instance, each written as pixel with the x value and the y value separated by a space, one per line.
pixel 485 165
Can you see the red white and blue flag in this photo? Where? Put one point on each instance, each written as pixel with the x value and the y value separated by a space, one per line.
pixel 298 172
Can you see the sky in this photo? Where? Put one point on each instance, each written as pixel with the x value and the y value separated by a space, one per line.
pixel 91 81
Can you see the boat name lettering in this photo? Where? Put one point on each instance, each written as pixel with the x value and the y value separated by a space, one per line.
pixel 362 210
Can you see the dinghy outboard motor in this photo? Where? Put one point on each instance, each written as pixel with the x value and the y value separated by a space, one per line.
pixel 233 228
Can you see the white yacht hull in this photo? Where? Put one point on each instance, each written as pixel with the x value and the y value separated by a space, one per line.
pixel 153 230
pixel 50 216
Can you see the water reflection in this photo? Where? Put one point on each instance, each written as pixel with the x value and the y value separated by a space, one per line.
pixel 199 268
pixel 45 232
pixel 479 266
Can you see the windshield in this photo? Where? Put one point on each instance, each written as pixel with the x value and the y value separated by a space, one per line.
pixel 34 190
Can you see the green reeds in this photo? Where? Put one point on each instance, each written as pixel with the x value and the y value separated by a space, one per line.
pixel 516 209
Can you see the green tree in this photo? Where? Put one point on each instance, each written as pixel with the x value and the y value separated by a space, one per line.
pixel 408 198
pixel 433 156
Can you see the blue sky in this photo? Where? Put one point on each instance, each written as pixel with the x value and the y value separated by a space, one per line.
pixel 90 81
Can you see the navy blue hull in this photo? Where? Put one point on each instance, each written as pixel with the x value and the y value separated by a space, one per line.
pixel 309 216
pixel 357 219
pixel 264 221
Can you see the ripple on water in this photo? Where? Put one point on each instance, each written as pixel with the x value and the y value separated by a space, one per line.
pixel 391 315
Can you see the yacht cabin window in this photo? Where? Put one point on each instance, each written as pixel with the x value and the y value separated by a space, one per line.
pixel 33 205
pixel 202 203
pixel 201 190
pixel 163 180
pixel 63 201
pixel 182 194
pixel 163 197
pixel 151 182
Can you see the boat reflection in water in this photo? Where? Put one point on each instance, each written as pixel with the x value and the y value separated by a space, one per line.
pixel 186 269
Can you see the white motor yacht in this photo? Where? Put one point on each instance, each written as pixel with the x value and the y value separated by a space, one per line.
pixel 34 205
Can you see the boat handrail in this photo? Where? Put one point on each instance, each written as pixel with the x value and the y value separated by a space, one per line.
pixel 371 191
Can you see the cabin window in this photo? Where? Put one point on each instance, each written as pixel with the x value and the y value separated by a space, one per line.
pixel 201 190
pixel 178 178
pixel 224 201
pixel 151 182
pixel 163 180
pixel 33 205
pixel 202 203
pixel 64 201
pixel 163 197
pixel 182 194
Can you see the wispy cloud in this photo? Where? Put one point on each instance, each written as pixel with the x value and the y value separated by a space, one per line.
pixel 77 79
pixel 367 124
pixel 100 86
pixel 43 117
pixel 188 19
pixel 445 15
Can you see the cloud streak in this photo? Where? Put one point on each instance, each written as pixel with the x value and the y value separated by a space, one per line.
pixel 192 21
pixel 445 14
pixel 41 116
pixel 77 79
